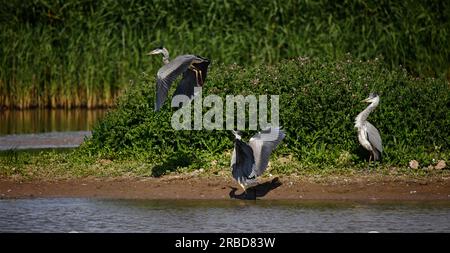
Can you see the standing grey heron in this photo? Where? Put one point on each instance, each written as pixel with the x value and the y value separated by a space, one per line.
pixel 194 69
pixel 368 135
pixel 250 160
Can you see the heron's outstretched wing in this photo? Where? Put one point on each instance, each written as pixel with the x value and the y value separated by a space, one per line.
pixel 374 137
pixel 167 75
pixel 242 161
pixel 262 144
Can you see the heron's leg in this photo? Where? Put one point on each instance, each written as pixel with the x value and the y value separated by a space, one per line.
pixel 243 188
pixel 370 157
pixel 200 77
pixel 196 75
pixel 191 67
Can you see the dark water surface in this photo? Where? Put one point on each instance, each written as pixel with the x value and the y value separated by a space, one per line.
pixel 94 215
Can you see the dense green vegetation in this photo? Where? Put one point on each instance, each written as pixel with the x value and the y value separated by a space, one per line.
pixel 84 52
pixel 319 99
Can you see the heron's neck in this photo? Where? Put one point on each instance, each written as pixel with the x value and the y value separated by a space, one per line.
pixel 362 117
pixel 165 56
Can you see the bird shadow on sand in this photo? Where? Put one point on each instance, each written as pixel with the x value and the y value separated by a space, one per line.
pixel 256 191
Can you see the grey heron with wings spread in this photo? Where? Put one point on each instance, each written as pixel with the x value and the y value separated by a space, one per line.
pixel 249 161
pixel 194 69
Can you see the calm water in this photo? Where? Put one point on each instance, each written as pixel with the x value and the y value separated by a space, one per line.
pixel 54 140
pixel 93 215
pixel 41 128
pixel 42 120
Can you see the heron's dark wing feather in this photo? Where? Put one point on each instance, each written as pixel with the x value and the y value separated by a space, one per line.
pixel 262 144
pixel 242 161
pixel 167 75
pixel 187 84
pixel 374 137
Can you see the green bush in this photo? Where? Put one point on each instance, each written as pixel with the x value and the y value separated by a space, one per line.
pixel 319 99
pixel 84 52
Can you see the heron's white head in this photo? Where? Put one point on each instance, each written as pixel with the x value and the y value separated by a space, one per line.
pixel 158 50
pixel 237 134
pixel 373 97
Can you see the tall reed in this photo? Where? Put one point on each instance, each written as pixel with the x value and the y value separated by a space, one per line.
pixel 84 52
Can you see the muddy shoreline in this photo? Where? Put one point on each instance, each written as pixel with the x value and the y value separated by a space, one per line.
pixel 180 187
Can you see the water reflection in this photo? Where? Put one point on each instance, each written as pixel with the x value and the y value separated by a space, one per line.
pixel 43 120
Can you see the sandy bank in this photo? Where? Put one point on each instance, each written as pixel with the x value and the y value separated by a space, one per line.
pixel 180 187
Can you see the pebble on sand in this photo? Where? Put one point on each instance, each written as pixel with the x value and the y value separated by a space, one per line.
pixel 413 164
pixel 440 165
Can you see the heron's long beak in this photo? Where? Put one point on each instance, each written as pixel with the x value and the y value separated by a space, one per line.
pixel 367 100
pixel 153 52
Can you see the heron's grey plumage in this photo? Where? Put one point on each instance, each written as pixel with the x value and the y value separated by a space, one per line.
pixel 194 69
pixel 167 74
pixel 375 139
pixel 249 161
pixel 263 144
pixel 368 135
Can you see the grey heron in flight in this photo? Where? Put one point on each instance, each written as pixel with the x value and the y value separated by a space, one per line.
pixel 368 135
pixel 250 160
pixel 194 69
